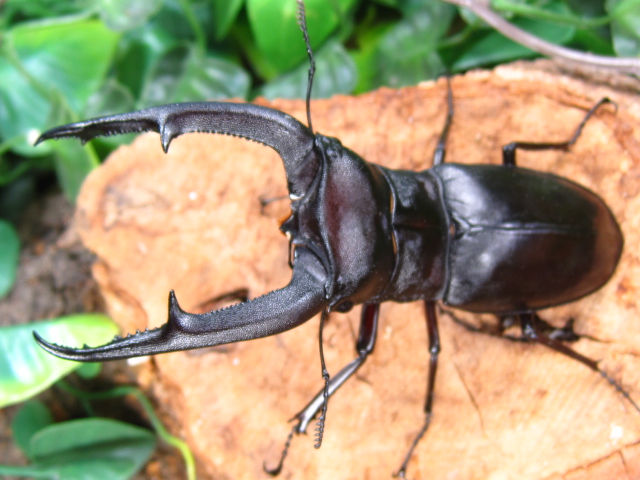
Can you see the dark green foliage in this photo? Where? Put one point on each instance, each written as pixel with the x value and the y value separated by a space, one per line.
pixel 63 61
pixel 66 61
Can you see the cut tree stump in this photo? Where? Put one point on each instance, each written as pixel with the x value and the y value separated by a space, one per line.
pixel 191 221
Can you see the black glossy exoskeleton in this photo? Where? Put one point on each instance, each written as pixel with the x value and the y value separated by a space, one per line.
pixel 483 238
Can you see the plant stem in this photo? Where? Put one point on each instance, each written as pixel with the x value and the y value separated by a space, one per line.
pixel 629 65
pixel 157 425
pixel 546 15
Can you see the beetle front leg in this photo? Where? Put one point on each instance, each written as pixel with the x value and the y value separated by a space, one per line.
pixel 434 351
pixel 364 347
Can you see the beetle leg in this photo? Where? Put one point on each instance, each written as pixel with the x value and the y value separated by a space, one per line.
pixel 440 151
pixel 364 346
pixel 530 331
pixel 434 351
pixel 491 330
pixel 564 334
pixel 528 323
pixel 509 150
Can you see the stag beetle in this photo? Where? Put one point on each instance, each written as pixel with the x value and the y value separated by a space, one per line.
pixel 496 239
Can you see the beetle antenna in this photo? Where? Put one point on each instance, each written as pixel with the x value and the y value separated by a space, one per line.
pixel 302 22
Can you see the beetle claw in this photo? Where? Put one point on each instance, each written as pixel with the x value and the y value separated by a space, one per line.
pixel 290 138
pixel 272 313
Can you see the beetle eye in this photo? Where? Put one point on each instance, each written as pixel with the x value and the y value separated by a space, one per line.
pixel 344 306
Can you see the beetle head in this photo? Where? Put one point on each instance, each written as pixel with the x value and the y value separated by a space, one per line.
pixel 339 227
pixel 344 218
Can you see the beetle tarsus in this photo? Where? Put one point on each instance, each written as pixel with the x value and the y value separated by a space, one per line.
pixel 402 471
pixel 530 332
pixel 620 389
pixel 274 472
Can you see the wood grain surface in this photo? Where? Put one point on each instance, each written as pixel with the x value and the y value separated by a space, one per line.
pixel 191 221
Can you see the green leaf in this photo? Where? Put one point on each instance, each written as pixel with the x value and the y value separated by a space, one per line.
pixel 72 161
pixel 9 256
pixel 492 47
pixel 44 8
pixel 335 73
pixel 184 20
pixel 23 110
pixel 587 8
pixel 93 439
pixel 71 56
pixel 157 425
pixel 89 449
pixel 224 13
pixel 89 370
pixel 45 59
pixel 389 3
pixel 397 59
pixel 123 15
pixel 184 74
pixel 110 99
pixel 275 27
pixel 32 417
pixel 625 28
pixel 26 369
pixel 163 77
pixel 208 78
pixel 138 53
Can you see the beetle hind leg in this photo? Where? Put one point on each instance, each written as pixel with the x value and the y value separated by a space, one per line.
pixel 536 329
pixel 566 333
pixel 364 347
pixel 531 332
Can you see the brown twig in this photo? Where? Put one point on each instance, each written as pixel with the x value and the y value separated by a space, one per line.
pixel 482 9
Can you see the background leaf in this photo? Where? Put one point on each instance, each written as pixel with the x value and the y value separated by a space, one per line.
pixel 625 26
pixel 224 13
pixel 32 417
pixel 335 73
pixel 88 449
pixel 398 59
pixel 26 369
pixel 275 27
pixel 41 60
pixel 9 256
pixel 208 78
pixel 491 47
pixel 122 15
